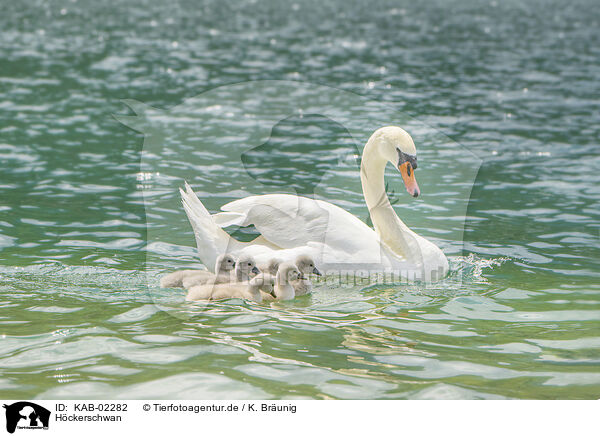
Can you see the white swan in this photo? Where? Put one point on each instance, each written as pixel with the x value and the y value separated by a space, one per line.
pixel 306 266
pixel 338 241
pixel 219 291
pixel 244 268
pixel 287 275
pixel 224 266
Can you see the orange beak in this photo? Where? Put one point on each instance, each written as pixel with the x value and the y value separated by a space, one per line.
pixel 408 175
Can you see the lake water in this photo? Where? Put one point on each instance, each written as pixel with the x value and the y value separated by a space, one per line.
pixel 501 98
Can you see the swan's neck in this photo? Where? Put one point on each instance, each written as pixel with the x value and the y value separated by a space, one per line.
pixel 283 289
pixel 284 292
pixel 392 231
pixel 240 276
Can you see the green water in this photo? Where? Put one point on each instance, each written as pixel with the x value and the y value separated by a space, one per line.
pixel 81 223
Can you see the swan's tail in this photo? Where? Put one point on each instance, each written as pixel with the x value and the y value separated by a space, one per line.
pixel 211 240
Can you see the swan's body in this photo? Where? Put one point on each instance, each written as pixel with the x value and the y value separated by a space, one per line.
pixel 219 291
pixel 176 278
pixel 292 225
pixel 224 266
pixel 244 268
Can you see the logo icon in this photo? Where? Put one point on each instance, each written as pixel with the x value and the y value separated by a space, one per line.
pixel 26 415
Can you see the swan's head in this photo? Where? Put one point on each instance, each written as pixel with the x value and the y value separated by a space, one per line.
pixel 273 266
pixel 225 262
pixel 288 272
pixel 397 146
pixel 306 265
pixel 246 265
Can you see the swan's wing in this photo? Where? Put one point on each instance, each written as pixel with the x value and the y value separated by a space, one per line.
pixel 226 219
pixel 211 240
pixel 284 220
pixel 260 240
pixel 290 221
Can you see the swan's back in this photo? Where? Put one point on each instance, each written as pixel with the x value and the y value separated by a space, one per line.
pixel 219 291
pixel 290 221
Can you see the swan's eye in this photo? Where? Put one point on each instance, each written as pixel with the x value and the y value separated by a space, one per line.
pixel 249 264
pixel 405 157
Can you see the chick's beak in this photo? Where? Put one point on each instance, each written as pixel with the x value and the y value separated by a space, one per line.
pixel 408 175
pixel 316 271
pixel 255 270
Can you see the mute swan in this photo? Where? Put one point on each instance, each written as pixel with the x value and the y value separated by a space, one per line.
pixel 273 266
pixel 219 291
pixel 292 225
pixel 244 266
pixel 287 274
pixel 223 265
pixel 306 266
